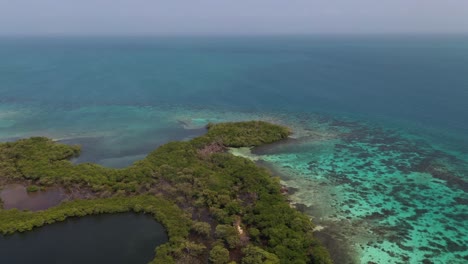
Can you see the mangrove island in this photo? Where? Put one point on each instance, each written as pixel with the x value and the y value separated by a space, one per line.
pixel 216 207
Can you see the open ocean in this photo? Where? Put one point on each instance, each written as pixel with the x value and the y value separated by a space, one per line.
pixel 379 157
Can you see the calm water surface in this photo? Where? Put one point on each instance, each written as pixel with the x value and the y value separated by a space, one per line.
pixel 119 238
pixel 16 196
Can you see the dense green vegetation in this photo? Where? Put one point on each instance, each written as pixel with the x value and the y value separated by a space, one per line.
pixel 247 134
pixel 47 162
pixel 219 194
pixel 33 188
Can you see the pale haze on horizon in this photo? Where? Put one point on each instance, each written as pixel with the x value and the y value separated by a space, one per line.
pixel 140 17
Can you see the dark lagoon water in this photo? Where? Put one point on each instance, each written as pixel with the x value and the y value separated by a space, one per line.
pixel 118 238
pixel 380 155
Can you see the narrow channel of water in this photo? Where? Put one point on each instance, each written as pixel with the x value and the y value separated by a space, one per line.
pixel 116 238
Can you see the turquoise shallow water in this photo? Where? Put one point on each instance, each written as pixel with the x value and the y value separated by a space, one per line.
pixel 379 157
pixel 389 197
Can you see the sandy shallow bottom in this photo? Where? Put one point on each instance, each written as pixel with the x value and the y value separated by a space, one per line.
pixel 380 195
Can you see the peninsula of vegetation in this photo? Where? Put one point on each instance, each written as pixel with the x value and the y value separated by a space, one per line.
pixel 216 207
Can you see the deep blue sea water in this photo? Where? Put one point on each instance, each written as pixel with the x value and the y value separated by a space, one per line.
pixel 380 155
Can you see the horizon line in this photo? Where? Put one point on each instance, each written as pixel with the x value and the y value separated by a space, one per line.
pixel 233 34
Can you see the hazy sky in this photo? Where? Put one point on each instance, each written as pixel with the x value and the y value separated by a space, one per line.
pixel 231 16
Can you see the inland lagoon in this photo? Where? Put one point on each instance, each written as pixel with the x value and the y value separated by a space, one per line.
pixel 116 238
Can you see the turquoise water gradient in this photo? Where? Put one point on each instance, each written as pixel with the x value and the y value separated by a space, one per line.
pixel 379 156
